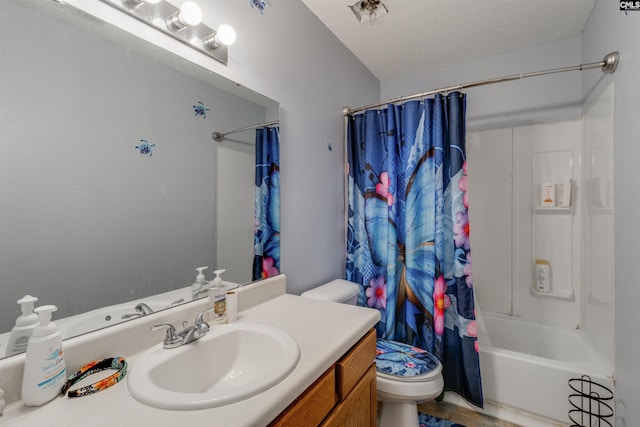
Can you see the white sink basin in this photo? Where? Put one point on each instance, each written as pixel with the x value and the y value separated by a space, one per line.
pixel 231 363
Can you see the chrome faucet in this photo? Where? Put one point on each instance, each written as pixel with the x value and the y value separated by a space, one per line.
pixel 141 309
pixel 178 301
pixel 191 333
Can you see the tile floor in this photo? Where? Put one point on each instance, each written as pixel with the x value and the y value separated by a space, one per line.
pixel 466 417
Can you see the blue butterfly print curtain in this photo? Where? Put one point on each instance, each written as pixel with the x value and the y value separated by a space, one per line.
pixel 266 237
pixel 408 231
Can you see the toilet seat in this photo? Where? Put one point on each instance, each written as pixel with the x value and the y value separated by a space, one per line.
pixel 405 363
pixel 431 376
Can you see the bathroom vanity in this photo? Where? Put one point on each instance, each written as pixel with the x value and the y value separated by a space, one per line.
pixel 344 395
pixel 332 384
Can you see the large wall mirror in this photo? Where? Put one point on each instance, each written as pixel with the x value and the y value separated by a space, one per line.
pixel 112 189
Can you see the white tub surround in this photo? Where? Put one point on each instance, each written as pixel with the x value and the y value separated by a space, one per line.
pixel 324 331
pixel 527 366
pixel 549 267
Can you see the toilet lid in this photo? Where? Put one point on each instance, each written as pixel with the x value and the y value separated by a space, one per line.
pixel 405 362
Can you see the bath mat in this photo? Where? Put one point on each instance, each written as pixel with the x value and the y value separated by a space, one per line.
pixel 431 421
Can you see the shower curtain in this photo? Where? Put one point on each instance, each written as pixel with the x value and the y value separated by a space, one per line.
pixel 266 236
pixel 408 231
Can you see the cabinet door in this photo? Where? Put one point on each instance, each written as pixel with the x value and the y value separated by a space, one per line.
pixel 355 363
pixel 359 408
pixel 313 405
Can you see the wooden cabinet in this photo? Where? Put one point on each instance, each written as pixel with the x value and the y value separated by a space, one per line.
pixel 345 395
pixel 312 406
pixel 359 408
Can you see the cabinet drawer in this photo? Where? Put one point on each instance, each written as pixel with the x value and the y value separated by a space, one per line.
pixel 359 409
pixel 355 363
pixel 312 406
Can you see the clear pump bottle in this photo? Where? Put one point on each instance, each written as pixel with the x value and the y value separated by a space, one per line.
pixel 25 324
pixel 199 287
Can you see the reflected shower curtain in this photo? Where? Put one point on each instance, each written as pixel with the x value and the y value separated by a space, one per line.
pixel 266 237
pixel 408 233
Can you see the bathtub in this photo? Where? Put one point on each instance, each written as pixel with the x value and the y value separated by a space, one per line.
pixel 535 368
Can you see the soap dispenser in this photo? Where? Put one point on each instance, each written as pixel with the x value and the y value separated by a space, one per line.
pixel 200 285
pixel 44 369
pixel 25 324
pixel 218 299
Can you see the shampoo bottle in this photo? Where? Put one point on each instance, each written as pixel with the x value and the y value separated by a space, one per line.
pixel 25 324
pixel 218 298
pixel 44 369
pixel 198 287
pixel 543 276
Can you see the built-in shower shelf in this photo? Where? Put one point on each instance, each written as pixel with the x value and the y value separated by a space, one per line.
pixel 553 210
pixel 568 296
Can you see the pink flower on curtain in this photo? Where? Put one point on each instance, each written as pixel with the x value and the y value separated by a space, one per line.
pixel 463 186
pixel 268 267
pixel 377 293
pixel 461 230
pixel 472 331
pixel 467 271
pixel 383 188
pixel 441 302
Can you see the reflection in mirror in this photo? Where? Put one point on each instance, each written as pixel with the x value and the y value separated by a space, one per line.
pixel 112 189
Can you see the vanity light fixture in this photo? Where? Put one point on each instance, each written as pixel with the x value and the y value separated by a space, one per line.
pixel 183 24
pixel 188 15
pixel 225 35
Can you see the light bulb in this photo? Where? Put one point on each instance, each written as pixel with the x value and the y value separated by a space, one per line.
pixel 190 13
pixel 226 35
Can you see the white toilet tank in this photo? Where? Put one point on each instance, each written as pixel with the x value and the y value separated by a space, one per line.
pixel 339 290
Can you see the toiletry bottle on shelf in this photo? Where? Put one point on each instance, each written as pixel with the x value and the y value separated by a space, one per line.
pixel 25 324
pixel 564 193
pixel 198 286
pixel 543 276
pixel 218 298
pixel 44 369
pixel 547 197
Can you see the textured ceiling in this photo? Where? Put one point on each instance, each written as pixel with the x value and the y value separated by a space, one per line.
pixel 418 35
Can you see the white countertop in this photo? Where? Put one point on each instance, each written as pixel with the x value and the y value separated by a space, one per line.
pixel 324 331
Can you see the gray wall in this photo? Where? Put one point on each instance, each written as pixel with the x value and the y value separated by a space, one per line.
pixel 288 55
pixel 610 29
pixel 85 220
pixel 522 102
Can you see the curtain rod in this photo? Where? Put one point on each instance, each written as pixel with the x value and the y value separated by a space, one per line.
pixel 607 65
pixel 217 136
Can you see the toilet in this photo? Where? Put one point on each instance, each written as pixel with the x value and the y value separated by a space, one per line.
pixel 401 386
